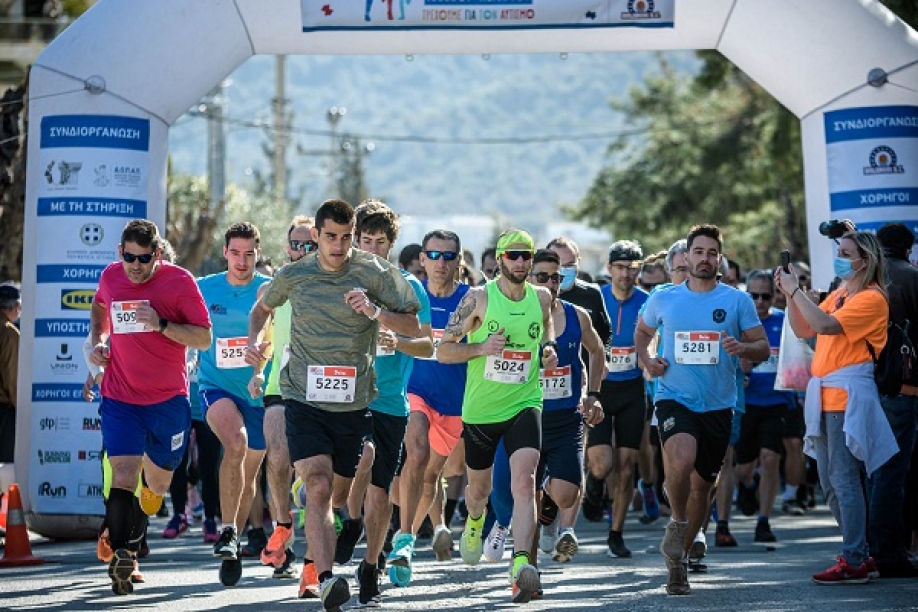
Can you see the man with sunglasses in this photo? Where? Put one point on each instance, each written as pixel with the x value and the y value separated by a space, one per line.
pixel 338 297
pixel 278 551
pixel 509 327
pixel 613 446
pixel 223 379
pixel 377 230
pixel 761 438
pixel 435 397
pixel 149 310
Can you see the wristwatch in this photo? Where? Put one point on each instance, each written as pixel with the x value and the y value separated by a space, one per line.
pixel 163 324
pixel 594 394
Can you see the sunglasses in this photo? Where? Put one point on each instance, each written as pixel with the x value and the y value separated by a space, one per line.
pixel 446 255
pixel 760 296
pixel 514 255
pixel 131 258
pixel 303 245
pixel 544 277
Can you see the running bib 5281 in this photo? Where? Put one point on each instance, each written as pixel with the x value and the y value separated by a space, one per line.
pixel 770 366
pixel 231 352
pixel 124 318
pixel 334 384
pixel 697 347
pixel 621 358
pixel 556 383
pixel 508 367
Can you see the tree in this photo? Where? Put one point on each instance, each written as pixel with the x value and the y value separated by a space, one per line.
pixel 13 147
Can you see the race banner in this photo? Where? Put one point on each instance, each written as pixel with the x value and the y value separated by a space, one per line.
pixel 321 15
pixel 872 159
pixel 94 181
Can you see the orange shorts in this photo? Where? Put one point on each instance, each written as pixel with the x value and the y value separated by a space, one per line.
pixel 444 431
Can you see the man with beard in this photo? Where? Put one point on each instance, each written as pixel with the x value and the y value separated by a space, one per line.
pixel 706 326
pixel 509 327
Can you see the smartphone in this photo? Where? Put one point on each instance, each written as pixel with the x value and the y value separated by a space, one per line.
pixel 785 261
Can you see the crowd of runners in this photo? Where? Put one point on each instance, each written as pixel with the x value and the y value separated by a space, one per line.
pixel 348 397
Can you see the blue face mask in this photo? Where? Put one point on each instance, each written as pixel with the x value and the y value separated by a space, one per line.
pixel 568 276
pixel 843 269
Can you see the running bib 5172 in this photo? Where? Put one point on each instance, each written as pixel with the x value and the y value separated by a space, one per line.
pixel 621 358
pixel 231 352
pixel 124 318
pixel 508 367
pixel 334 384
pixel 697 347
pixel 556 383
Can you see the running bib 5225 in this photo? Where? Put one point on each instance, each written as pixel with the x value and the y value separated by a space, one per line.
pixel 124 318
pixel 334 384
pixel 697 347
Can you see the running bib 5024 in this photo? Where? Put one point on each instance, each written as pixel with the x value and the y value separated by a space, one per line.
pixel 621 358
pixel 231 352
pixel 335 384
pixel 124 318
pixel 556 383
pixel 508 367
pixel 697 347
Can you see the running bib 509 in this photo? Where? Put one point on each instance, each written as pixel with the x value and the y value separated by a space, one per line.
pixel 231 353
pixel 697 348
pixel 124 318
pixel 770 366
pixel 334 384
pixel 556 383
pixel 621 358
pixel 508 367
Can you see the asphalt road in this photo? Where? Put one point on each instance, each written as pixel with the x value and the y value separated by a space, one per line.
pixel 182 575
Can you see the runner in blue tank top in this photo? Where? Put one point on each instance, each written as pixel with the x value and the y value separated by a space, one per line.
pixel 565 407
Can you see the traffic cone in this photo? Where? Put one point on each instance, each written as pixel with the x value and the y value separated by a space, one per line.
pixel 18 551
pixel 3 499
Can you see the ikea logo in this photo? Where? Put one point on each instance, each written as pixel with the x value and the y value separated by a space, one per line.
pixel 77 299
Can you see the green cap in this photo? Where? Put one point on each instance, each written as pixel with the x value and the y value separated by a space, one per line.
pixel 513 238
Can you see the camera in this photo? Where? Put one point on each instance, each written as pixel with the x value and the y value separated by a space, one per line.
pixel 836 228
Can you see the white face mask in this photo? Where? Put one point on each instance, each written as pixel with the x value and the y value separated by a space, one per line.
pixel 568 276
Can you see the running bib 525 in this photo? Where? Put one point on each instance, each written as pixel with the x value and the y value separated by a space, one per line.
pixel 124 318
pixel 508 367
pixel 231 352
pixel 697 347
pixel 556 383
pixel 334 384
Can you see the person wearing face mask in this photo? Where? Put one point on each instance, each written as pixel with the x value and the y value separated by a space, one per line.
pixel 846 429
pixel 590 298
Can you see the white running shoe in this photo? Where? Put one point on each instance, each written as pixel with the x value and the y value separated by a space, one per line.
pixel 549 533
pixel 495 544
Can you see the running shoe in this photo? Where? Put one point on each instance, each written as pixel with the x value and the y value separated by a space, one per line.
pixel 746 500
pixel 177 525
pixel 651 505
pixel 763 532
pixel 281 540
pixel 104 547
pixel 367 577
pixel 548 535
pixel 350 534
pixel 495 543
pixel 400 559
pixel 150 502
pixel 256 542
pixel 617 546
pixel 793 507
pixel 120 569
pixel 699 547
pixel 723 537
pixel 566 546
pixel 209 528
pixel 470 544
pixel 673 540
pixel 230 571
pixel 526 583
pixel 309 582
pixel 227 547
pixel 677 582
pixel 287 569
pixel 194 507
pixel 873 572
pixel 334 593
pixel 842 573
pixel 442 543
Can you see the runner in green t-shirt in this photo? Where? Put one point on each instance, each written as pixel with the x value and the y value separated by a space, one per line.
pixel 509 328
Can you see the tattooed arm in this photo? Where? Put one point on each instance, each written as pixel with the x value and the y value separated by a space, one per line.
pixel 466 319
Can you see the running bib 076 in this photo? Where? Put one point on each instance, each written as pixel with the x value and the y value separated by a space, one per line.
pixel 334 384
pixel 436 335
pixel 124 318
pixel 697 347
pixel 231 353
pixel 621 358
pixel 770 366
pixel 508 367
pixel 556 383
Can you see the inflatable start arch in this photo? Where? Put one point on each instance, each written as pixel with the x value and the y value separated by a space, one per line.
pixel 105 92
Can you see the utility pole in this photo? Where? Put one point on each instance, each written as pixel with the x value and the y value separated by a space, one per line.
pixel 215 109
pixel 281 129
pixel 334 115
